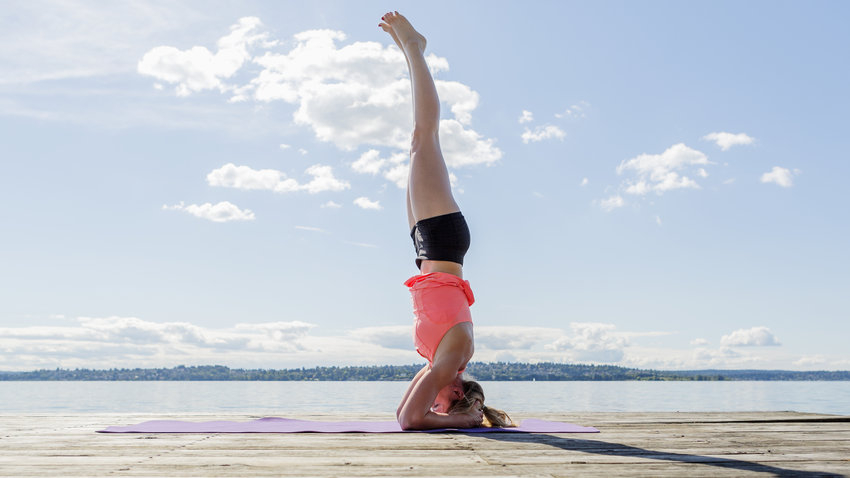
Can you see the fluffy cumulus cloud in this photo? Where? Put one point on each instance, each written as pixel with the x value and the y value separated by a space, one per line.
pixel 464 147
pixel 369 162
pixel 587 342
pixel 245 177
pixel 526 117
pixel 351 95
pixel 133 342
pixel 780 176
pixel 612 202
pixel 513 338
pixel 720 357
pixel 811 361
pixel 755 336
pixel 663 172
pixel 93 341
pixel 222 212
pixel 576 111
pixel 591 342
pixel 393 168
pixel 542 132
pixel 392 336
pixel 366 203
pixel 197 68
pixel 727 140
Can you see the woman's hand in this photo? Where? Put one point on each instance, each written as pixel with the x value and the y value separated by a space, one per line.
pixel 470 419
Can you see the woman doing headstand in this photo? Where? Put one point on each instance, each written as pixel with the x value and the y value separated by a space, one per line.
pixel 437 397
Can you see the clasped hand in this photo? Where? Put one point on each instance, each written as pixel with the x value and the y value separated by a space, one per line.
pixel 471 419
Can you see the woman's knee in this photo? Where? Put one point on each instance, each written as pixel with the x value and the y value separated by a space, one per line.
pixel 423 138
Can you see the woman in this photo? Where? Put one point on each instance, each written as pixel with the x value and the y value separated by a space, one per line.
pixel 441 298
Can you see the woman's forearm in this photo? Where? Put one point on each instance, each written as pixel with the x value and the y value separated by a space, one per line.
pixel 433 420
pixel 409 390
pixel 415 412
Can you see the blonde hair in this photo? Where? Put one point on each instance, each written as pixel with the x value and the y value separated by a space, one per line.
pixel 472 391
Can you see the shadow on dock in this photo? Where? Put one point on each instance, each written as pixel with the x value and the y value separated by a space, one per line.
pixel 616 449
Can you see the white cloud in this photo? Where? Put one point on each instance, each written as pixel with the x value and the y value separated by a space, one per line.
pixel 398 174
pixel 575 111
pixel 462 100
pixel 310 228
pixel 714 357
pixel 755 336
pixel 245 177
pixel 513 338
pixel 366 203
pixel 727 140
pixel 584 181
pixel 592 342
pixel 369 162
pixel 359 94
pixel 526 117
pixel 542 132
pixel 331 205
pixel 284 146
pixel 392 336
pixel 658 220
pixel 464 147
pixel 612 203
pixel 780 176
pixel 323 180
pixel 661 172
pixel 351 95
pixel 132 331
pixel 395 168
pixel 699 342
pixel 810 360
pixel 221 212
pixel 197 68
pixel 133 342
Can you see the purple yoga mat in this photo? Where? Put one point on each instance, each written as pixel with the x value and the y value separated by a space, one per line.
pixel 288 425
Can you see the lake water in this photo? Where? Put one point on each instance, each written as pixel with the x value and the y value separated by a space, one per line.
pixel 281 398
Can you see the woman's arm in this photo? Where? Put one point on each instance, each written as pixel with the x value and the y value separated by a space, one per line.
pixel 415 413
pixel 413 383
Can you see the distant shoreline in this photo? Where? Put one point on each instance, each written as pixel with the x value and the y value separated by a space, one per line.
pixel 496 371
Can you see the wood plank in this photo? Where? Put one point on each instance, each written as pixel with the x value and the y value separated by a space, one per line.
pixel 631 444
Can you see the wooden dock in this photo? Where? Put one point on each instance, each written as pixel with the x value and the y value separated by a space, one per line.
pixel 630 444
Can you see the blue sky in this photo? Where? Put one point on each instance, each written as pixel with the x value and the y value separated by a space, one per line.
pixel 648 184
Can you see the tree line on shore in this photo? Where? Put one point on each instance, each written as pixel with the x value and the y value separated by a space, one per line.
pixel 496 371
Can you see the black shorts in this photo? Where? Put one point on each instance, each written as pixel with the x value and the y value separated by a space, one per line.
pixel 441 238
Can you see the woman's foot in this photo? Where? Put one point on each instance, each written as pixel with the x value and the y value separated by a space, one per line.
pixel 389 30
pixel 405 36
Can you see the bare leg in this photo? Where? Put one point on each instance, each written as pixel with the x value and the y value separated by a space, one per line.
pixel 429 191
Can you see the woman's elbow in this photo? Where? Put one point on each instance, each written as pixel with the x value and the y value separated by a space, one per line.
pixel 409 423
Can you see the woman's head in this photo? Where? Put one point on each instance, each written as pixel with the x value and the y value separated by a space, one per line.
pixel 448 395
pixel 473 398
